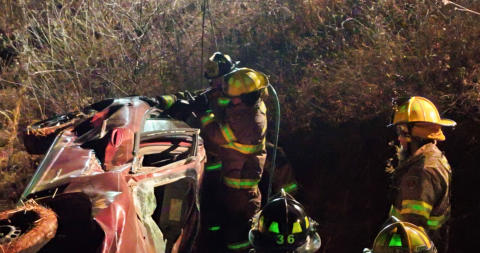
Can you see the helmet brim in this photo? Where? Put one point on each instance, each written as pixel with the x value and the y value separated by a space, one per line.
pixel 441 122
pixel 447 123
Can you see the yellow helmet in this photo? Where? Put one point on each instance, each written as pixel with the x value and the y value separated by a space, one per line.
pixel 243 81
pixel 402 237
pixel 419 109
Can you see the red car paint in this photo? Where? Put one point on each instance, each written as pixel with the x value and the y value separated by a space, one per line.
pixel 132 176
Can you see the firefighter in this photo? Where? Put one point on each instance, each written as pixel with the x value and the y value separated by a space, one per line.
pixel 283 227
pixel 420 189
pixel 233 122
pixel 401 237
pixel 240 135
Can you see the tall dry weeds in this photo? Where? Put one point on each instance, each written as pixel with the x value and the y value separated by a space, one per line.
pixel 332 61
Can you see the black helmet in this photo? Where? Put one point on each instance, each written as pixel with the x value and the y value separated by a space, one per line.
pixel 402 237
pixel 283 226
pixel 218 65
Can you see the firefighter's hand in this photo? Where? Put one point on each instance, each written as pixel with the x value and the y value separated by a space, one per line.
pixel 181 109
pixel 200 103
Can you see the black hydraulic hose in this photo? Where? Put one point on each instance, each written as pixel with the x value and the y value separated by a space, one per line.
pixel 275 138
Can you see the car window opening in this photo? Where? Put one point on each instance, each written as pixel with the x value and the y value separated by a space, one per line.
pixel 164 153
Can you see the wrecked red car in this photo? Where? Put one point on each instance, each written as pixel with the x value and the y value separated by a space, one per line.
pixel 119 176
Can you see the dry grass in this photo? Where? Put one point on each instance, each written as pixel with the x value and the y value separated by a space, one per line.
pixel 332 61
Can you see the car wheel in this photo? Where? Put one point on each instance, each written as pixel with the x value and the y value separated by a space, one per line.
pixel 27 228
pixel 40 135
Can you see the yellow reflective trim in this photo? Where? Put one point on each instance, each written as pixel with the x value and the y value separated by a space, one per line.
pixel 307 222
pixel 260 224
pixel 291 187
pixel 263 107
pixel 207 119
pixel 296 227
pixel 240 183
pixel 214 228
pixel 421 205
pixel 264 128
pixel 213 166
pixel 227 133
pixel 416 207
pixel 223 101
pixel 413 211
pixel 436 222
pixel 239 245
pixel 433 222
pixel 245 148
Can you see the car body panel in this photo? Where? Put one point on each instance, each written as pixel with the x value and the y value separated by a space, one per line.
pixel 101 157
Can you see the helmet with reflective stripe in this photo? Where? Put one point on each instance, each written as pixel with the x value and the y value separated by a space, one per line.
pixel 218 65
pixel 244 81
pixel 402 237
pixel 283 226
pixel 419 109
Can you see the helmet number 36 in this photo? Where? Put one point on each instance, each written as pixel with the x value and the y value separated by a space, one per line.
pixel 281 239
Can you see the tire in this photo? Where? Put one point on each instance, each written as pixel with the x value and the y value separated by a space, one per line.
pixel 26 229
pixel 40 135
